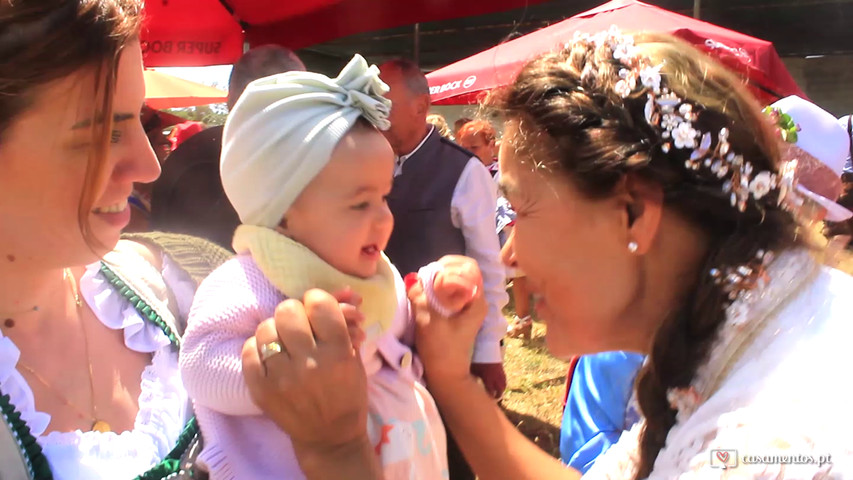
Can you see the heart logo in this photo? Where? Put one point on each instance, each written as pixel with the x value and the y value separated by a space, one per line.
pixel 723 456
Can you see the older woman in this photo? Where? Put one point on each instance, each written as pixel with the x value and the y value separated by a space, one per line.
pixel 89 380
pixel 654 215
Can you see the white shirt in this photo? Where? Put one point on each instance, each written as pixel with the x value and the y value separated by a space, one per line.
pixel 472 210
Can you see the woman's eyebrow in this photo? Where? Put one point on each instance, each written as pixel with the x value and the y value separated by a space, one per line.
pixel 118 117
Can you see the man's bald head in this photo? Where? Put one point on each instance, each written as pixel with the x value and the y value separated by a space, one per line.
pixel 258 63
pixel 410 104
pixel 409 73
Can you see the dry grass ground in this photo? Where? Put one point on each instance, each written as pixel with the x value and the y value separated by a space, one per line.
pixel 536 384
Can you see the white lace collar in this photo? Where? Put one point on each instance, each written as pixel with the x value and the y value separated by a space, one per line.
pixel 744 318
pixel 788 273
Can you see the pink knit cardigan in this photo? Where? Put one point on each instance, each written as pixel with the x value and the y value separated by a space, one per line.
pixel 240 443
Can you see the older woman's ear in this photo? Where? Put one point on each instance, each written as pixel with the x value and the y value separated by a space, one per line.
pixel 644 208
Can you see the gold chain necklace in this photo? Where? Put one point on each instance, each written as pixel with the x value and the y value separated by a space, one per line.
pixel 97 425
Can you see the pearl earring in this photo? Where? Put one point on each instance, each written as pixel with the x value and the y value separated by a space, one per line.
pixel 632 246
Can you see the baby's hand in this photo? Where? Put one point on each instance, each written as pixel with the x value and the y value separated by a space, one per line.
pixel 455 282
pixel 350 301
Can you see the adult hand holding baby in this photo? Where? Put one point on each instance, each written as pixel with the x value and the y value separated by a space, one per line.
pixel 299 388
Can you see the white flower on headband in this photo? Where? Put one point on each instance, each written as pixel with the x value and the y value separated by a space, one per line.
pixel 684 135
pixel 650 77
pixel 761 185
pixel 669 121
pixel 624 52
pixel 623 88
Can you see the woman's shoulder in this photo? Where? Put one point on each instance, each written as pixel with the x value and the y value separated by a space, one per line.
pixel 195 256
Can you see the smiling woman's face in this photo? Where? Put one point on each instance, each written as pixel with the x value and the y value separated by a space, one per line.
pixel 43 160
pixel 573 251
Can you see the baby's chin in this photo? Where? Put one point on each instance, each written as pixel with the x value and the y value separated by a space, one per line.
pixel 361 270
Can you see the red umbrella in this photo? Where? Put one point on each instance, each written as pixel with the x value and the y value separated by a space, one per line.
pixel 211 32
pixel 190 33
pixel 755 59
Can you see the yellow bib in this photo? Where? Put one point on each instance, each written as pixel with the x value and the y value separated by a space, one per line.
pixel 294 269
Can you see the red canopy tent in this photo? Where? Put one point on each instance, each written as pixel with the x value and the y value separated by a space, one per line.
pixel 211 32
pixel 755 59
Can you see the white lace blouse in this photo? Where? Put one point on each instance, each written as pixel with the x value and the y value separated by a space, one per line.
pixel 784 397
pixel 163 404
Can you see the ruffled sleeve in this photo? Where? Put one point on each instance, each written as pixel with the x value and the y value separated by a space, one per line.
pixel 116 313
pixel 14 385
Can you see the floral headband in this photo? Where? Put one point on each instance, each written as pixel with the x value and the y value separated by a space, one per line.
pixel 673 119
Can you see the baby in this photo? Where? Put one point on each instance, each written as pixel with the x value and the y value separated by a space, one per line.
pixel 307 170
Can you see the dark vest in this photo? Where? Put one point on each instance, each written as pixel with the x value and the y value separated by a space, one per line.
pixel 420 202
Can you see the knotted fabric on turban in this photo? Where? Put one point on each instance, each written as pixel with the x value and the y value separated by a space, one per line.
pixel 283 129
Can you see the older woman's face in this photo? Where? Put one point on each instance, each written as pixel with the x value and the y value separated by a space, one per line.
pixel 43 159
pixel 574 253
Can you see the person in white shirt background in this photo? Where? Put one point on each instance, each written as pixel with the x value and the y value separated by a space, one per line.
pixel 479 137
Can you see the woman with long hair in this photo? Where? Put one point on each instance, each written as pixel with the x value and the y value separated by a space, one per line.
pixel 89 325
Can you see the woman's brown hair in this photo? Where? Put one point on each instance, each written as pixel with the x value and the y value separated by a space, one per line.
pixel 571 119
pixel 42 41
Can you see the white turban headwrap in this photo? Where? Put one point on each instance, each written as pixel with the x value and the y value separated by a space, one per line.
pixel 283 129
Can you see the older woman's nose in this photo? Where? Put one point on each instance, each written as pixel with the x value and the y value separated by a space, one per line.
pixel 508 251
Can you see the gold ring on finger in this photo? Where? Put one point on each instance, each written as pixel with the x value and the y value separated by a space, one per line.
pixel 269 349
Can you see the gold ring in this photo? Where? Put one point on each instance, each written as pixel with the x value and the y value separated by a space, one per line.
pixel 270 349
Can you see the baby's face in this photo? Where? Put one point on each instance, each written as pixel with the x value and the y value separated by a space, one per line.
pixel 342 215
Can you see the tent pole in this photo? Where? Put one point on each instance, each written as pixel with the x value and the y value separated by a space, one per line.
pixel 417 45
pixel 697 4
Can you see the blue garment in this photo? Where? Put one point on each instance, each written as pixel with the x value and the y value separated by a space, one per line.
pixel 599 406
pixel 504 215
